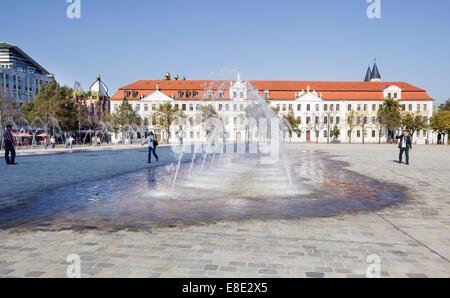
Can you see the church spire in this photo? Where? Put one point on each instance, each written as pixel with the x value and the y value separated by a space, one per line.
pixel 375 77
pixel 368 75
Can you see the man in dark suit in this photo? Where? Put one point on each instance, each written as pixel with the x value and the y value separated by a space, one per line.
pixel 404 146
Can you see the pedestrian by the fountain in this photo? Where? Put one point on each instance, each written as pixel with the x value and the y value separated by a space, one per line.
pixel 45 143
pixel 71 140
pixel 152 142
pixel 8 141
pixel 405 146
pixel 52 142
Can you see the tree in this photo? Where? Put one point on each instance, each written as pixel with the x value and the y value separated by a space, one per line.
pixel 413 123
pixel 8 110
pixel 208 115
pixel 293 123
pixel 316 124
pixel 335 133
pixel 52 101
pixel 440 122
pixel 351 123
pixel 390 116
pixel 166 115
pixel 125 115
pixel 362 121
pixel 445 106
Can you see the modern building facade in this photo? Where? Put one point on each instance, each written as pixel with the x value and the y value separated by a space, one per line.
pixel 352 107
pixel 20 76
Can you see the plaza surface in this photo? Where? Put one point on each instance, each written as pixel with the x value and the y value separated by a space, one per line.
pixel 412 238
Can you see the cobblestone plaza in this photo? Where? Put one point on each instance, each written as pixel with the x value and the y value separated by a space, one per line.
pixel 81 203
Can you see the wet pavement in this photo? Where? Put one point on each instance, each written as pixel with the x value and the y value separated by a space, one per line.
pixel 409 234
pixel 229 188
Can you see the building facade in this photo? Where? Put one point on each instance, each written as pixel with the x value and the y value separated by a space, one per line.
pixel 20 76
pixel 97 102
pixel 351 107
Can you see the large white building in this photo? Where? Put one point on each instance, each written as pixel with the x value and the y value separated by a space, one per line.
pixel 352 107
pixel 20 76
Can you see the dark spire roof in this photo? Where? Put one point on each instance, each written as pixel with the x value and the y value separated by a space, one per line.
pixel 368 75
pixel 375 72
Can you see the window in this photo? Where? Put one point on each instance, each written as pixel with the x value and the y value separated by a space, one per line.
pixel 145 107
pixel 116 108
pixel 299 107
pixel 137 108
pixel 365 120
pixel 180 94
pixel 241 95
pixel 365 108
pixel 365 133
pixel 191 107
pixel 325 107
pixel 374 120
pixel 349 107
pixel 389 95
pixel 418 107
pixel 331 107
pixel 325 133
pixel 290 107
pixel 358 108
pixel 220 107
pixel 338 120
pixel 153 107
pixel 308 107
pixel 338 107
pixel 308 120
pixel 358 133
pixel 284 107
pixel 188 94
pixel 266 94
pixel 374 108
pixel 317 107
pixel 317 120
pixel 235 94
pixel 210 94
pixel 425 107
pixel 395 95
pixel 227 107
pixel 220 94
pixel 325 120
pixel 410 107
pixel 127 93
pixel 183 107
pixel 373 133
pixel 331 120
pixel 194 94
pixel 349 133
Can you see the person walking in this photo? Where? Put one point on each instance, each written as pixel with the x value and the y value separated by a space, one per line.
pixel 8 140
pixel 71 140
pixel 404 146
pixel 52 142
pixel 152 142
pixel 45 143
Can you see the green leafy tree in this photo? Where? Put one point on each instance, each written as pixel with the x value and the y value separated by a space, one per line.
pixel 166 115
pixel 209 114
pixel 335 133
pixel 52 101
pixel 445 106
pixel 440 122
pixel 293 123
pixel 124 115
pixel 413 123
pixel 390 116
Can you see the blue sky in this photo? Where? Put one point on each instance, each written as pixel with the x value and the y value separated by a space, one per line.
pixel 334 40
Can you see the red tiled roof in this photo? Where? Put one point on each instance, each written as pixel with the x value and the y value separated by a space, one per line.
pixel 279 90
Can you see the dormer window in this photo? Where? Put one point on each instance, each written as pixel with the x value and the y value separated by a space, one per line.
pixel 220 94
pixel 210 94
pixel 135 94
pixel 127 94
pixel 194 94
pixel 188 94
pixel 395 95
pixel 266 94
pixel 180 94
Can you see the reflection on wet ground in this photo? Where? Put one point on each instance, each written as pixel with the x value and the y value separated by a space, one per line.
pixel 230 188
